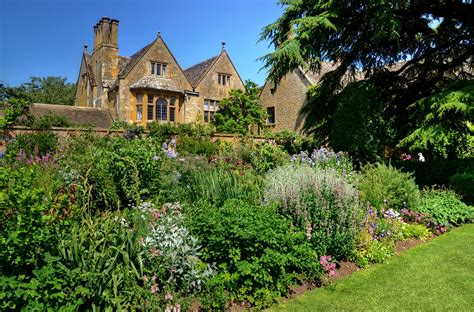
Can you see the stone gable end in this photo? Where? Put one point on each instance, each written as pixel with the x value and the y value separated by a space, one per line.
pixel 288 99
pixel 209 87
pixel 82 85
pixel 159 53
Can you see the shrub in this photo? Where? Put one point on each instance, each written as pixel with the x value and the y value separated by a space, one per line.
pixel 445 207
pixel 27 221
pixel 383 186
pixel 463 184
pixel 47 121
pixel 320 202
pixel 373 251
pixel 359 112
pixel 110 171
pixel 13 110
pixel 240 110
pixel 31 223
pixel 197 145
pixel 32 145
pixel 48 288
pixel 192 139
pixel 434 172
pixel 292 141
pixel 418 231
pixel 172 249
pixel 258 253
pixel 263 156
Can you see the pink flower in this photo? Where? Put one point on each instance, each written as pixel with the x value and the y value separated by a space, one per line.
pixel 153 278
pixel 155 214
pixel 331 273
pixel 177 307
pixel 145 278
pixel 168 308
pixel 168 296
pixel 154 252
pixel 154 289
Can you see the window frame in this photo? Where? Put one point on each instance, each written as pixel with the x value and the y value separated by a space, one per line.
pixel 161 106
pixel 148 110
pixel 223 79
pixel 158 69
pixel 139 107
pixel 212 108
pixel 272 108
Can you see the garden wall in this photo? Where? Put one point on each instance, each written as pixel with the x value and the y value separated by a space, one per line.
pixel 10 133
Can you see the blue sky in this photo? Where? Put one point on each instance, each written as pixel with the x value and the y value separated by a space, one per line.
pixel 46 37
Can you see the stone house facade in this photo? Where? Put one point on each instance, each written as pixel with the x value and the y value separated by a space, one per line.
pixel 150 85
pixel 283 103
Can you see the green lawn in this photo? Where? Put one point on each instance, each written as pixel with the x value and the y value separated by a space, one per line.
pixel 435 276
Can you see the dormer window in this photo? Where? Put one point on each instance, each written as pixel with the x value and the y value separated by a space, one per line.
pixel 158 69
pixel 223 79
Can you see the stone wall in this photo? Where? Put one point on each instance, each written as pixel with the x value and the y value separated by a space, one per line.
pixel 62 133
pixel 288 99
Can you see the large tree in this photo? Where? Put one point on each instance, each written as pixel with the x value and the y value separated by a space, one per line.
pixel 429 43
pixel 444 123
pixel 50 90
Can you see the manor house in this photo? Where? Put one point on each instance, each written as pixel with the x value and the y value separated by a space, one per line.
pixel 151 85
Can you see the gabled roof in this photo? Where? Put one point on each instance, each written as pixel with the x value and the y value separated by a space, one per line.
pixel 75 115
pixel 128 66
pixel 314 77
pixel 196 72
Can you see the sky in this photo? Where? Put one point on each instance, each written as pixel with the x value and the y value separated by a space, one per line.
pixel 47 37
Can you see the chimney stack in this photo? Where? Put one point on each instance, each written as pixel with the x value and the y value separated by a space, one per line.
pixel 106 33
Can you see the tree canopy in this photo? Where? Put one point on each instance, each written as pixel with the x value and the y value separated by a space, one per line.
pixel 240 110
pixel 427 43
pixel 444 123
pixel 49 90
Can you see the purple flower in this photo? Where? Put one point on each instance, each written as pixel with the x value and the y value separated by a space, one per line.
pixel 173 143
pixel 171 154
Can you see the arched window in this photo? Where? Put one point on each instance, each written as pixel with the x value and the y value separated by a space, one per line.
pixel 161 110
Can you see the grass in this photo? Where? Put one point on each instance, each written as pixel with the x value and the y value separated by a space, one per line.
pixel 435 276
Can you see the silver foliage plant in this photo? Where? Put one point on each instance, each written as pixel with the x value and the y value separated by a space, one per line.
pixel 302 192
pixel 171 244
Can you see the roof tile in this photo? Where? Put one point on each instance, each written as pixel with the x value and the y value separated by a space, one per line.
pixel 196 72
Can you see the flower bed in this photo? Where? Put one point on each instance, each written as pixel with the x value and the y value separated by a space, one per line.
pixel 155 223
